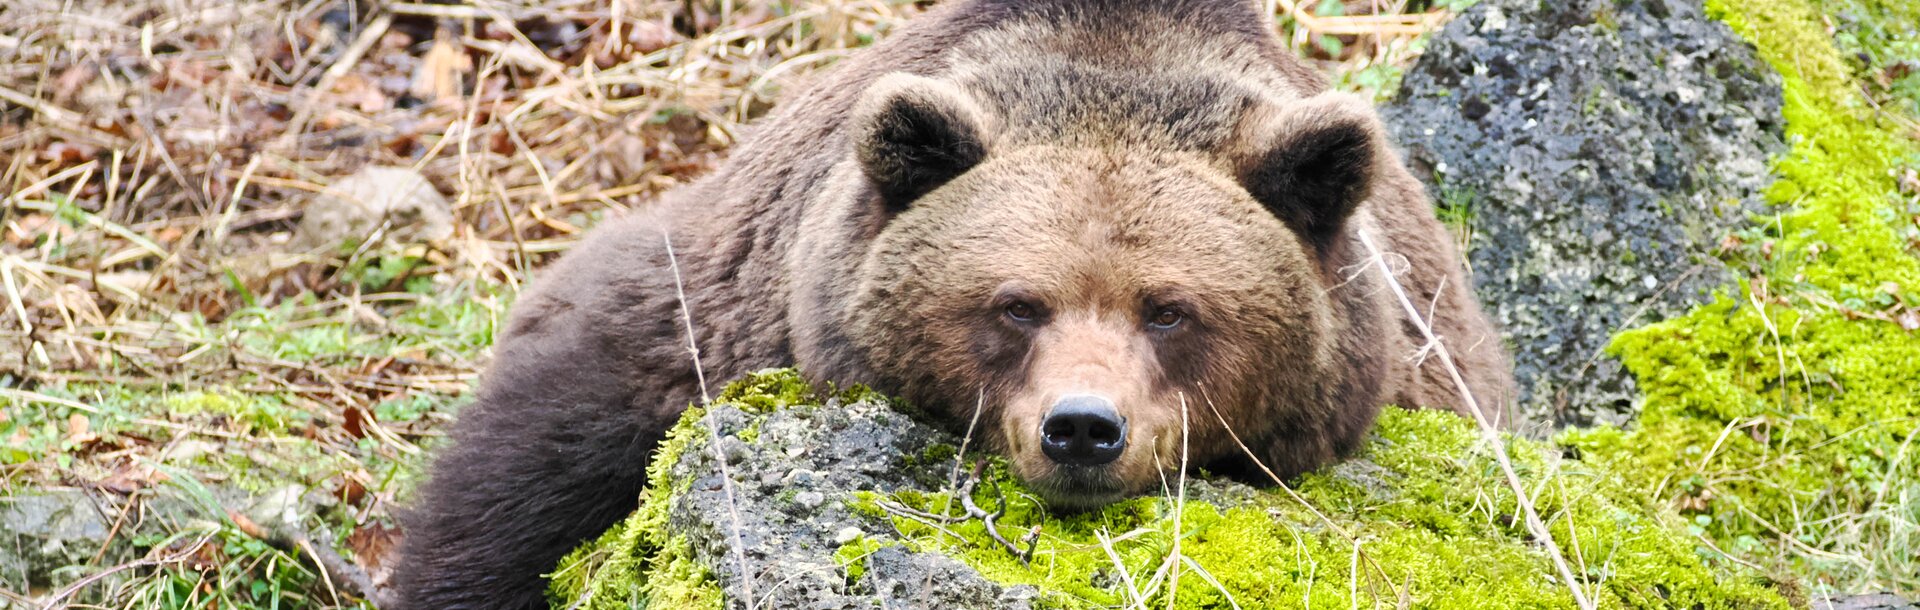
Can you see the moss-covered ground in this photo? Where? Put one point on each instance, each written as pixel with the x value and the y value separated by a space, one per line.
pixel 641 561
pixel 1781 418
pixel 1423 520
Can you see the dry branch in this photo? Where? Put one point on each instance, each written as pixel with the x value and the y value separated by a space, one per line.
pixel 1488 433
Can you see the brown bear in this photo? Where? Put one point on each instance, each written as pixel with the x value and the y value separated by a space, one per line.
pixel 1081 218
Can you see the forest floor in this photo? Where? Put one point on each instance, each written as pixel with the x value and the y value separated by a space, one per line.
pixel 166 324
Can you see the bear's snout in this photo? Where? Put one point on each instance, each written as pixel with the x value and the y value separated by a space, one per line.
pixel 1083 430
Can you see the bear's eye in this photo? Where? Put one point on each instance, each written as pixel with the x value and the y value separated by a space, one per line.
pixel 1167 318
pixel 1020 311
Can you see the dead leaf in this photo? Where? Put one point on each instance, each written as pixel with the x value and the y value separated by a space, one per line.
pixel 129 477
pixel 373 545
pixel 351 492
pixel 79 430
pixel 67 153
pixel 441 71
pixel 362 93
pixel 357 421
pixel 650 36
pixel 1909 320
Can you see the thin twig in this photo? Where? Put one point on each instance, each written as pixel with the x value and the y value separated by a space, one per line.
pixel 713 428
pixel 1179 510
pixel 973 512
pixel 1487 432
pixel 59 599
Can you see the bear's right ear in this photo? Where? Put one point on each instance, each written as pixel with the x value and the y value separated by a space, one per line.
pixel 913 134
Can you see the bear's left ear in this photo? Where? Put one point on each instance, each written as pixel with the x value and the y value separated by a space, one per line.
pixel 1313 162
pixel 913 134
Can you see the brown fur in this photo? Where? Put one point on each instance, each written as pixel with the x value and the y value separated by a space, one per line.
pixel 1101 159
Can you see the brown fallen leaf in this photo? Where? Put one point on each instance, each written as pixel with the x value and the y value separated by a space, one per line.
pixel 357 421
pixel 79 430
pixel 441 71
pixel 373 545
pixel 362 93
pixel 129 477
pixel 650 36
pixel 351 492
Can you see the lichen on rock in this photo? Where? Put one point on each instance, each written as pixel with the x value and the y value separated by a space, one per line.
pixel 817 505
pixel 1599 152
pixel 787 501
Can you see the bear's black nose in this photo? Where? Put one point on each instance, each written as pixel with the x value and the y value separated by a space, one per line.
pixel 1083 430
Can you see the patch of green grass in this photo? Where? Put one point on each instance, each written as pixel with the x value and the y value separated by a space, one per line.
pixel 305 330
pixel 1782 416
pixel 1881 39
pixel 253 406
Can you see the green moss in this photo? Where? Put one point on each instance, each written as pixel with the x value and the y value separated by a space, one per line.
pixel 1432 523
pixel 852 556
pixel 1425 503
pixel 640 563
pixel 769 390
pixel 257 413
pixel 1778 418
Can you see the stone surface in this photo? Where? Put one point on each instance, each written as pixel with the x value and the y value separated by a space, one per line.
pixel 1600 151
pixel 790 490
pixel 49 537
pixel 1875 601
pixel 392 204
pixel 54 536
pixel 45 531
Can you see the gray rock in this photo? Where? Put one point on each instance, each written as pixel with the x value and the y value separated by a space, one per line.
pixel 51 537
pixel 54 537
pixel 791 486
pixel 393 204
pixel 1602 150
pixel 45 531
pixel 1873 601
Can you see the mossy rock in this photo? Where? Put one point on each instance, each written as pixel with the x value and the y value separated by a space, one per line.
pixel 1421 519
pixel 1598 153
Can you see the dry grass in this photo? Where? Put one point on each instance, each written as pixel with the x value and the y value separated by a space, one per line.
pixel 157 156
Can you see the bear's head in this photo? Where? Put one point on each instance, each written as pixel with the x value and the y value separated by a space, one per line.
pixel 1108 280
